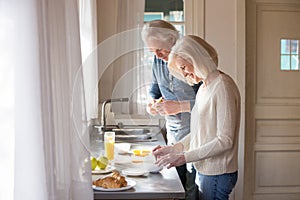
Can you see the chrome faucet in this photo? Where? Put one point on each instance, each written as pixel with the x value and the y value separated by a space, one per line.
pixel 103 118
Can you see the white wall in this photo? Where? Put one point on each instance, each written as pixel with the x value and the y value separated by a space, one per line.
pixel 222 24
pixel 220 31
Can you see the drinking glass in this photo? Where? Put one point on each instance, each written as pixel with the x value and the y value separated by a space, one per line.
pixel 109 144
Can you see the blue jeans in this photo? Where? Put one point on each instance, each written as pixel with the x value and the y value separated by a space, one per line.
pixel 216 187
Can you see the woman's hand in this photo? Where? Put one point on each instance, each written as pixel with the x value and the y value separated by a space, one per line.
pixel 172 159
pixel 155 148
pixel 159 151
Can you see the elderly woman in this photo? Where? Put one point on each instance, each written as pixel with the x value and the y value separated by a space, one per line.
pixel 178 96
pixel 212 145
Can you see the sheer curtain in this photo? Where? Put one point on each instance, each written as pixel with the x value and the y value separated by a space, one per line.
pixel 119 62
pixel 50 158
pixel 7 102
pixel 88 41
pixel 131 17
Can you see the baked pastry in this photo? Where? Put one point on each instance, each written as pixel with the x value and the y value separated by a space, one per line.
pixel 115 180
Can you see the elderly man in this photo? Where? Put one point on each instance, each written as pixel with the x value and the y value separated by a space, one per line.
pixel 171 97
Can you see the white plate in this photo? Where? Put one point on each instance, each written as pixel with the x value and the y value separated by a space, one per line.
pixel 104 171
pixel 130 184
pixel 134 172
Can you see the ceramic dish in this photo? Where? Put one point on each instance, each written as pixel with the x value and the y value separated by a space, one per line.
pixel 130 184
pixel 154 168
pixel 135 172
pixel 108 169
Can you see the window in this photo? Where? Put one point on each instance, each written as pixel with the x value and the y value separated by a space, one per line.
pixel 149 16
pixel 289 55
pixel 168 10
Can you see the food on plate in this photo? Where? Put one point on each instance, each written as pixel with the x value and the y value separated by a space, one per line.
pixel 137 160
pixel 145 152
pixel 102 162
pixel 115 180
pixel 141 152
pixel 93 163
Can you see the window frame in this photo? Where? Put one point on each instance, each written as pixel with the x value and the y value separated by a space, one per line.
pixel 289 54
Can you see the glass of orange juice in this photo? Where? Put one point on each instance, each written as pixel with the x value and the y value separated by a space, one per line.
pixel 109 145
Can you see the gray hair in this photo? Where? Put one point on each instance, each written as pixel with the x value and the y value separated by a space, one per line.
pixel 197 52
pixel 160 30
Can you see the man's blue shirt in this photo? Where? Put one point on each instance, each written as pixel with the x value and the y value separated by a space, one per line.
pixel 170 88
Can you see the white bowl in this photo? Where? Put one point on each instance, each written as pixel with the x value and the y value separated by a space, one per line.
pixel 154 168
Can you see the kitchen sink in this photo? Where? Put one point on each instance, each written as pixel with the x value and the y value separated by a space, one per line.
pixel 130 131
pixel 131 134
pixel 126 132
pixel 122 133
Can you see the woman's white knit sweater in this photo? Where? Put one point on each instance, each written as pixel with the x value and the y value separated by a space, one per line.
pixel 212 144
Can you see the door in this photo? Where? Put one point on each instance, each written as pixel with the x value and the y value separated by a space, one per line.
pixel 272 141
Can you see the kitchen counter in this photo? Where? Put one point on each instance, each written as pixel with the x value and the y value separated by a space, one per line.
pixel 163 185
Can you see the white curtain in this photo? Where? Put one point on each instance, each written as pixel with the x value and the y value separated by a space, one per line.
pixel 120 23
pixel 131 17
pixel 43 49
pixel 88 41
pixel 7 63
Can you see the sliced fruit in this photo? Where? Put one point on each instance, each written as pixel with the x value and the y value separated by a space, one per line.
pixel 139 152
pixel 136 152
pixel 159 100
pixel 94 163
pixel 102 162
pixel 145 152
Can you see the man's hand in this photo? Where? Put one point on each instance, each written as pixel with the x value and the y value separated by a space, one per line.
pixel 171 107
pixel 151 106
pixel 151 110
